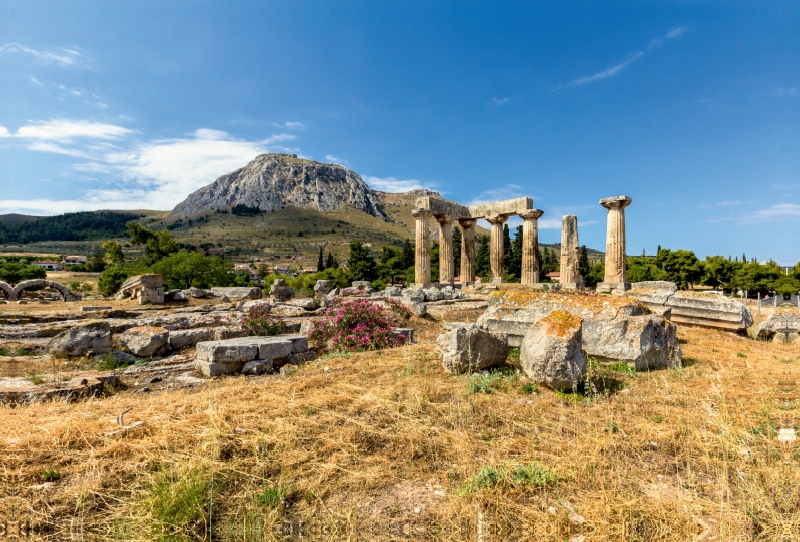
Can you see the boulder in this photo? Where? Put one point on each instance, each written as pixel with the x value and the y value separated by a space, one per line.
pixel 187 338
pixel 243 306
pixel 257 367
pixel 697 308
pixel 782 326
pixel 468 349
pixel 93 337
pixel 323 287
pixel 118 356
pixel 197 293
pixel 287 311
pixel 432 294
pixel 613 329
pixel 180 296
pixel 551 351
pixel 308 304
pixel 237 293
pixel 144 341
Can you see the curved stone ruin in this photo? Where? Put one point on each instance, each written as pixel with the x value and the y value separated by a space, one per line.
pixel 14 294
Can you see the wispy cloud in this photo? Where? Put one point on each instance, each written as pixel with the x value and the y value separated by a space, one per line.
pixel 613 70
pixel 500 101
pixel 335 160
pixel 155 174
pixel 393 185
pixel 4 132
pixel 68 129
pixel 291 125
pixel 720 204
pixel 508 191
pixel 59 56
pixel 788 92
pixel 776 213
pixel 618 68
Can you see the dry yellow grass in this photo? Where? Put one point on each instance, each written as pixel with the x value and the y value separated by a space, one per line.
pixel 377 446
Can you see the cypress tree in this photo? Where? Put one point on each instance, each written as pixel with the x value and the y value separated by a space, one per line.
pixel 456 250
pixel 584 267
pixel 408 255
pixel 482 256
pixel 320 261
pixel 331 263
pixel 507 249
pixel 515 261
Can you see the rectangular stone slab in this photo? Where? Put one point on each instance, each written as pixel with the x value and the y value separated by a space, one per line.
pixel 226 351
pixel 208 368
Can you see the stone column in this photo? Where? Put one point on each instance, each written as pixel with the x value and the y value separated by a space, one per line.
pixel 530 244
pixel 446 250
pixel 570 272
pixel 615 276
pixel 422 259
pixel 496 251
pixel 467 250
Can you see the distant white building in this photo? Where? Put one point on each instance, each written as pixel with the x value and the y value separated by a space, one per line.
pixel 49 265
pixel 282 268
pixel 75 260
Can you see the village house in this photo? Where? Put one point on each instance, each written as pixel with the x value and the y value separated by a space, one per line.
pixel 74 260
pixel 49 265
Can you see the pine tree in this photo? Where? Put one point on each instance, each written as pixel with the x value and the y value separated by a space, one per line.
pixel 408 254
pixel 360 264
pixel 515 261
pixel 320 261
pixel 456 250
pixel 331 262
pixel 507 249
pixel 584 266
pixel 482 256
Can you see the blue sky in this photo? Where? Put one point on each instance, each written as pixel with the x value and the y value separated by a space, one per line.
pixel 690 108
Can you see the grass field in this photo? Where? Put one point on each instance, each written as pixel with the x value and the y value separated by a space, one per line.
pixel 385 446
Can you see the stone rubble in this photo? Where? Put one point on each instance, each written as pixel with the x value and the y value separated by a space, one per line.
pixel 468 348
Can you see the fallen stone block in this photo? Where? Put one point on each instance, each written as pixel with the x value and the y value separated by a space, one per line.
pixel 655 285
pixel 468 349
pixel 210 368
pixel 257 367
pixel 305 304
pixel 227 351
pixel 94 308
pixel 237 293
pixel 697 308
pixel 551 351
pixel 187 338
pixel 90 338
pixel 248 304
pixel 783 326
pixel 144 341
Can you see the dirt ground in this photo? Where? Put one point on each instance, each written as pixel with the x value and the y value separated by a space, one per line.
pixel 387 446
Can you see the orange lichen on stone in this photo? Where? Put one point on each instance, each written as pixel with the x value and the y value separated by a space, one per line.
pixel 561 323
pixel 569 300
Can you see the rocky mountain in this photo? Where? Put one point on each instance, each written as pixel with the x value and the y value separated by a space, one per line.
pixel 272 181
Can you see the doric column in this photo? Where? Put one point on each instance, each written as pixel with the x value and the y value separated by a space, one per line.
pixel 530 244
pixel 570 271
pixel 615 239
pixel 445 249
pixel 496 251
pixel 467 250
pixel 422 259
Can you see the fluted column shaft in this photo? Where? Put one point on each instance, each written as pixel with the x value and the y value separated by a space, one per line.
pixel 496 251
pixel 422 257
pixel 570 270
pixel 615 239
pixel 530 244
pixel 446 275
pixel 467 250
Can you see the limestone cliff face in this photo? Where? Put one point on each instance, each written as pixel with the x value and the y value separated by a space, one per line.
pixel 272 181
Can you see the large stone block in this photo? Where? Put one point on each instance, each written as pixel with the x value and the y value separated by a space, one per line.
pixel 613 328
pixel 187 338
pixel 144 341
pixel 468 348
pixel 697 308
pixel 210 368
pixel 237 293
pixel 93 337
pixel 227 351
pixel 551 351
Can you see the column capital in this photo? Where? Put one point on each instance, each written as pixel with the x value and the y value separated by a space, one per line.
pixel 444 219
pixel 531 213
pixel 617 202
pixel 421 214
pixel 467 222
pixel 496 218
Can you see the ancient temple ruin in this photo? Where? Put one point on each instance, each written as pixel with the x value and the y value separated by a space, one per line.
pixel 446 213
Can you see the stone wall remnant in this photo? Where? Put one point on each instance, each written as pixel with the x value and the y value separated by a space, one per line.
pixel 280 291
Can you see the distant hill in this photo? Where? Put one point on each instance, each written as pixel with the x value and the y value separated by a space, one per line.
pixel 82 226
pixel 273 181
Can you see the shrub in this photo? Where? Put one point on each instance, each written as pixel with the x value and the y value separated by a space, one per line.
pixel 257 321
pixel 490 476
pixel 50 475
pixel 355 325
pixel 178 505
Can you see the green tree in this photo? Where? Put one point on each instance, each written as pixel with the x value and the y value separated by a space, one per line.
pixel 96 262
pixel 114 254
pixel 331 262
pixel 457 239
pixel 596 274
pixel 719 272
pixel 682 267
pixel 158 243
pixel 584 265
pixel 320 261
pixel 184 270
pixel 435 261
pixel 549 263
pixel 16 272
pixel 507 248
pixel 640 269
pixel 482 257
pixel 112 278
pixel 755 277
pixel 390 265
pixel 786 285
pixel 360 263
pixel 514 265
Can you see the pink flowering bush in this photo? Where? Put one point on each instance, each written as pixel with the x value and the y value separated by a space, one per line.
pixel 257 321
pixel 356 325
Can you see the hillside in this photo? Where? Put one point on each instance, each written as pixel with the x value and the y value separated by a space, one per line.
pixel 273 181
pixel 14 218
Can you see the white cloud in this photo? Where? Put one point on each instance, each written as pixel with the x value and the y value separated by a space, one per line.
pixel 58 56
pixel 291 125
pixel 392 185
pixel 4 132
pixel 36 81
pixel 508 191
pixel 671 35
pixel 501 101
pixel 144 174
pixel 613 70
pixel 720 204
pixel 66 129
pixel 787 92
pixel 775 213
pixel 335 160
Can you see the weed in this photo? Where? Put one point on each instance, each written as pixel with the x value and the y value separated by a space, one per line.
pixel 335 355
pixel 612 427
pixel 23 352
pixel 408 370
pixel 50 475
pixel 309 411
pixel 622 367
pixel 740 355
pixel 273 497
pixel 533 474
pixel 35 379
pixel 496 380
pixel 658 418
pixel 513 355
pixel 4 351
pixel 179 504
pixel 109 363
pixel 688 362
pixel 529 388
